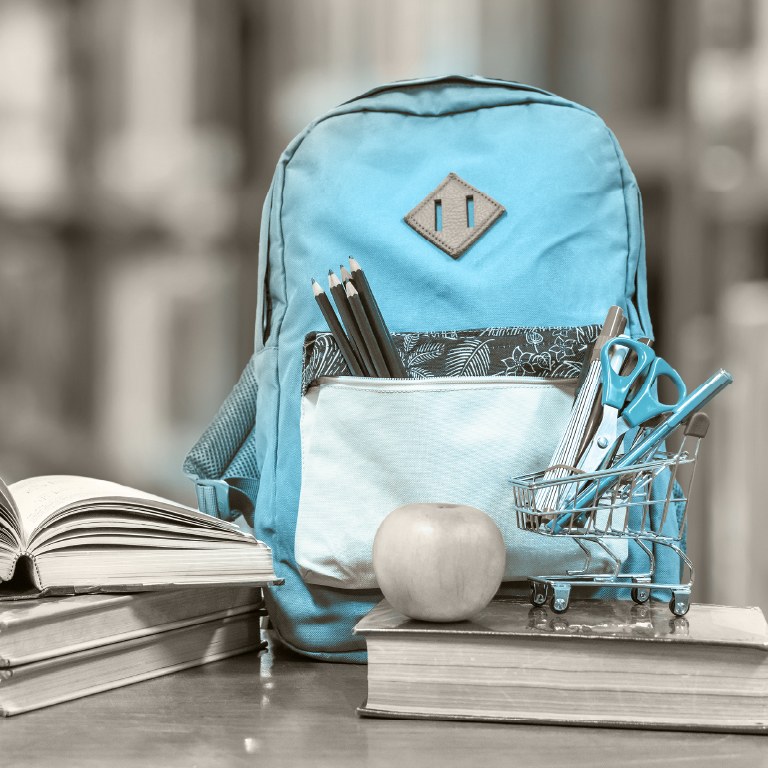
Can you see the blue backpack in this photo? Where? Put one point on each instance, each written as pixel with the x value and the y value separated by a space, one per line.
pixel 496 224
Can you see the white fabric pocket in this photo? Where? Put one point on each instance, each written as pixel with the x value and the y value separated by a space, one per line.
pixel 371 445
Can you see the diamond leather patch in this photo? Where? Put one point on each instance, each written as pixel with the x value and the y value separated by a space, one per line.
pixel 454 215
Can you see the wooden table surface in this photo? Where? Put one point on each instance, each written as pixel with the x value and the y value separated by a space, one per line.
pixel 278 709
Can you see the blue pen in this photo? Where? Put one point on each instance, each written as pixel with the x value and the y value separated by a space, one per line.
pixel 692 403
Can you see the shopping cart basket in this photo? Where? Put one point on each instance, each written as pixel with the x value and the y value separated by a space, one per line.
pixel 598 509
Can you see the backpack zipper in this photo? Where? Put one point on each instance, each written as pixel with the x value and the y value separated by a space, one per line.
pixel 456 382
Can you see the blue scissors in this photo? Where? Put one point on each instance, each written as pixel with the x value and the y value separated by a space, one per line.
pixel 626 405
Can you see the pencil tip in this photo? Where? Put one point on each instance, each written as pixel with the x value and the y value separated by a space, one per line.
pixel 345 276
pixel 330 272
pixel 333 281
pixel 354 264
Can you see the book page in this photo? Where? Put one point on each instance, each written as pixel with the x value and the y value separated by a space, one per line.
pixel 40 498
pixel 10 526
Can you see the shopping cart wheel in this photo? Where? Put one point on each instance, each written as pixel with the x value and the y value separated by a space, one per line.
pixel 560 596
pixel 538 593
pixel 640 594
pixel 680 603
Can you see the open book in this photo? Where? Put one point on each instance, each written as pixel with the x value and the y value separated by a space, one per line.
pixel 76 534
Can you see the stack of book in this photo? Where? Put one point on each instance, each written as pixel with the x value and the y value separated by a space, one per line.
pixel 600 664
pixel 103 586
pixel 62 648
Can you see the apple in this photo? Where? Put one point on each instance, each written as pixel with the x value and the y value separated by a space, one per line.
pixel 438 562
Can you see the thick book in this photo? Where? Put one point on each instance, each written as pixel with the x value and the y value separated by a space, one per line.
pixel 33 630
pixel 600 664
pixel 62 678
pixel 64 534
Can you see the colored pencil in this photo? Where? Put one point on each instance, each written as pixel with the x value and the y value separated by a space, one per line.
pixel 564 458
pixel 336 330
pixel 380 330
pixel 350 324
pixel 372 347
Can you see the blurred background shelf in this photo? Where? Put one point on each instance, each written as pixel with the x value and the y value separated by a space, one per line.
pixel 137 141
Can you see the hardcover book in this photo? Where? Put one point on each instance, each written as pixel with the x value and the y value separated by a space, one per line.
pixel 34 630
pixel 64 534
pixel 62 678
pixel 602 663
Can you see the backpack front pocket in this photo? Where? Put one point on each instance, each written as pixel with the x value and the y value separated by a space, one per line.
pixel 371 445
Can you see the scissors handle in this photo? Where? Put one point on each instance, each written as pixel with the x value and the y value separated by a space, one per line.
pixel 646 405
pixel 615 386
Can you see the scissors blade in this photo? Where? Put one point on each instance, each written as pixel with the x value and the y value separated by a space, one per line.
pixel 622 372
pixel 603 441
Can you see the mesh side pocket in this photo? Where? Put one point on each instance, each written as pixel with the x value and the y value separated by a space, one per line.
pixel 222 450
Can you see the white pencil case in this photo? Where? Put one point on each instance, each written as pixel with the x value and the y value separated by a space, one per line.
pixel 371 445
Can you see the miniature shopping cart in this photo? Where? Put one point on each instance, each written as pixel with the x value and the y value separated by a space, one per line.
pixel 644 503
